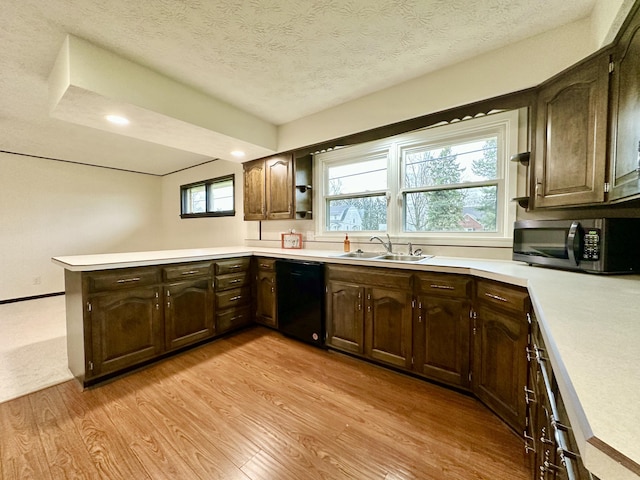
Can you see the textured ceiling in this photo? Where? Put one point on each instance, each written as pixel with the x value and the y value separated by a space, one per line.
pixel 279 60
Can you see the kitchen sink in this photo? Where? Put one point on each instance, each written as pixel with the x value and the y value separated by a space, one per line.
pixel 389 257
pixel 398 257
pixel 365 255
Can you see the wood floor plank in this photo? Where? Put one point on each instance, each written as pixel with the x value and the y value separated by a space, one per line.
pixel 21 450
pixel 257 405
pixel 107 449
pixel 66 454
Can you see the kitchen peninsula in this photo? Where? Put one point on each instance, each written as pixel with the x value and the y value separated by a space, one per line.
pixel 589 324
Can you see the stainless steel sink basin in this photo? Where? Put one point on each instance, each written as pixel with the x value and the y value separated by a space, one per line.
pixel 389 257
pixel 398 257
pixel 365 255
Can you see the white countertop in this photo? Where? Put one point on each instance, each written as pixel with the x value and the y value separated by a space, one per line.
pixel 590 323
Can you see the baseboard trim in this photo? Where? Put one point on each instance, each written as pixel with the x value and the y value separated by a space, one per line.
pixel 35 297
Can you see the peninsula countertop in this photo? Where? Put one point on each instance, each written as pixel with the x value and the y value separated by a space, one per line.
pixel 590 324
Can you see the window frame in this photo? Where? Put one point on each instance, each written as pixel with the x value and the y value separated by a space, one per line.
pixel 506 123
pixel 208 184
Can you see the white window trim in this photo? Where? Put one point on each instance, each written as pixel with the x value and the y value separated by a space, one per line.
pixel 504 123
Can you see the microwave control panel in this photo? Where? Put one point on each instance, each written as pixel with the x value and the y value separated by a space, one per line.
pixel 591 249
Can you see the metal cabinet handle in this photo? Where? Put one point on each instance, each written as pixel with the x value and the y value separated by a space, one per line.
pixel 128 280
pixel 237 297
pixel 528 442
pixel 190 272
pixel 442 287
pixel 529 396
pixel 496 297
pixel 237 280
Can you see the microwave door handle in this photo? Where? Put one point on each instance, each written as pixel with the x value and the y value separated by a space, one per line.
pixel 573 243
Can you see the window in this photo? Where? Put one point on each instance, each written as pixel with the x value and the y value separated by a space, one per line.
pixel 449 183
pixel 209 198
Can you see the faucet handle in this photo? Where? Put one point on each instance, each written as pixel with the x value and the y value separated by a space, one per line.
pixel 410 249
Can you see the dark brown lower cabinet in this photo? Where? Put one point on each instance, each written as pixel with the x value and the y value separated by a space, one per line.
pixel 266 299
pixel 442 327
pixel 126 328
pixel 387 326
pixel 499 365
pixel 188 310
pixel 345 328
pixel 441 341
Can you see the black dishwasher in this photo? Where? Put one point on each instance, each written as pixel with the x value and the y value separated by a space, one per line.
pixel 300 290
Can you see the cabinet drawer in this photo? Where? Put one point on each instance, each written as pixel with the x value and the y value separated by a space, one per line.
pixel 233 280
pixel 371 276
pixel 232 318
pixel 122 278
pixel 268 264
pixel 232 265
pixel 446 285
pixel 503 296
pixel 233 298
pixel 186 271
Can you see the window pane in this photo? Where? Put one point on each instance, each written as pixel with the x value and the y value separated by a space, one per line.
pixel 359 177
pixel 464 162
pixel 365 213
pixel 196 199
pixel 454 210
pixel 221 196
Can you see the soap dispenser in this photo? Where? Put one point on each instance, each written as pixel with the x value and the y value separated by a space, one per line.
pixel 347 243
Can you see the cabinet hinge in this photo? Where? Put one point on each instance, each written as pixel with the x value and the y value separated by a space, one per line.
pixel 607 187
pixel 612 67
pixel 88 306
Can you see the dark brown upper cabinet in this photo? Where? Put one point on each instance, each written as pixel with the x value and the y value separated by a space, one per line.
pixel 625 112
pixel 570 159
pixel 268 188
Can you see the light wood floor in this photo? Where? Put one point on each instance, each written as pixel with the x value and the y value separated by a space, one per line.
pixel 256 406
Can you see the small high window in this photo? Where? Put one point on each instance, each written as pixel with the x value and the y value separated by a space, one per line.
pixel 208 198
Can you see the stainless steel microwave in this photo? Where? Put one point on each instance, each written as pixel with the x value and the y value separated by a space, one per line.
pixel 596 245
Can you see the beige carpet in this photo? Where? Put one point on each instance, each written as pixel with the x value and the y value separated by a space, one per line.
pixel 33 346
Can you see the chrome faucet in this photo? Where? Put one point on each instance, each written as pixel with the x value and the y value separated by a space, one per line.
pixel 387 245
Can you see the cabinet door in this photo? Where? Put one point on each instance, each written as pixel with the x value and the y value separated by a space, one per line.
pixel 571 137
pixel 254 190
pixel 345 316
pixel 126 329
pixel 279 187
pixel 442 339
pixel 500 363
pixel 625 128
pixel 188 313
pixel 266 307
pixel 388 332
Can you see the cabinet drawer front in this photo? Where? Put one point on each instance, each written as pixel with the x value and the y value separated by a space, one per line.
pixel 503 296
pixel 233 280
pixel 122 278
pixel 233 298
pixel 371 276
pixel 266 264
pixel 445 285
pixel 233 318
pixel 232 265
pixel 186 271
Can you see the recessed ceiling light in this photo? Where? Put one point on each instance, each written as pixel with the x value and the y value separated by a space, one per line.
pixel 238 153
pixel 117 119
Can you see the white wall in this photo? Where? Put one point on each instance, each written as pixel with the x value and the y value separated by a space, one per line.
pixel 51 208
pixel 515 67
pixel 201 232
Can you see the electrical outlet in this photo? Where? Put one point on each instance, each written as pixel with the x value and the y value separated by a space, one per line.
pixel 37 280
